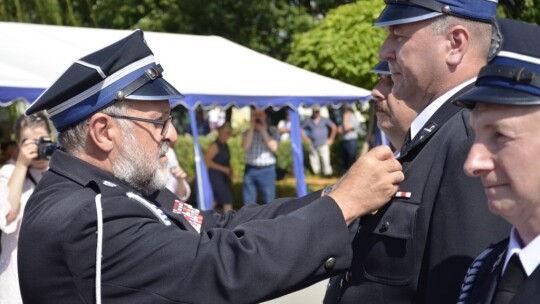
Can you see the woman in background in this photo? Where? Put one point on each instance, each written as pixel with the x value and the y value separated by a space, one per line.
pixel 17 180
pixel 220 172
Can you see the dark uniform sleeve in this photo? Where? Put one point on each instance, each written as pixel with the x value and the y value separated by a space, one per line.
pixel 250 212
pixel 146 261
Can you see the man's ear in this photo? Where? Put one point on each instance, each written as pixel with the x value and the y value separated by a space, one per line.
pixel 102 132
pixel 459 42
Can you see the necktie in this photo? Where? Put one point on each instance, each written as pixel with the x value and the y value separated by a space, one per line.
pixel 512 279
pixel 406 142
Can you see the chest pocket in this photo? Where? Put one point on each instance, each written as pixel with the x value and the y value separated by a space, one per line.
pixel 390 248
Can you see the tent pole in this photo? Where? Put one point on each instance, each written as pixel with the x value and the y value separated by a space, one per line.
pixel 205 197
pixel 297 153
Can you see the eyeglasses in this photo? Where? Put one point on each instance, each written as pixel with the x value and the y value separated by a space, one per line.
pixel 164 123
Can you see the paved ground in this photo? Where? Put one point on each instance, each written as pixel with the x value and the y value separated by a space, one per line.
pixel 311 295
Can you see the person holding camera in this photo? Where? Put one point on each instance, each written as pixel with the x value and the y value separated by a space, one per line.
pixel 260 143
pixel 19 177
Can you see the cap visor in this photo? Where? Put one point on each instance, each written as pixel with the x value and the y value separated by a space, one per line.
pixel 496 95
pixel 158 89
pixel 381 68
pixel 404 13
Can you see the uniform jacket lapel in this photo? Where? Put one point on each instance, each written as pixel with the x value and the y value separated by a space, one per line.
pixel 487 276
pixel 444 113
pixel 490 285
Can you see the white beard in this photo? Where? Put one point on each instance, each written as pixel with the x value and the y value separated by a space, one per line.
pixel 138 168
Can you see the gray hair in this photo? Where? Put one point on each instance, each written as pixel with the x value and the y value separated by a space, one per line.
pixel 480 31
pixel 73 140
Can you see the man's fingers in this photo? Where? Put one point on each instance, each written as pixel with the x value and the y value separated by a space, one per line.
pixel 382 152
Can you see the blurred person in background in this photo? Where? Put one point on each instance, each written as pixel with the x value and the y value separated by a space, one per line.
pixel 220 171
pixel 284 127
pixel 319 132
pixel 19 178
pixel 350 131
pixel 260 143
pixel 9 152
pixel 177 182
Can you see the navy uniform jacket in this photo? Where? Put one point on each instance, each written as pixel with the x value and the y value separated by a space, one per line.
pixel 153 255
pixel 417 249
pixel 483 276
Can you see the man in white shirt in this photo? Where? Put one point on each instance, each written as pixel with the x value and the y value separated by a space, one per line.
pixel 505 118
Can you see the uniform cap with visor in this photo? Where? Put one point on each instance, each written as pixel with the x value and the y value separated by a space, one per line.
pixel 407 11
pixel 125 69
pixel 512 76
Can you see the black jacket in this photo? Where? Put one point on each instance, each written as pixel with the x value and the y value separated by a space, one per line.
pixel 153 255
pixel 483 276
pixel 417 249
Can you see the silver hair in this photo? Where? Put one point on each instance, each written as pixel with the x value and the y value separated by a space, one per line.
pixel 73 140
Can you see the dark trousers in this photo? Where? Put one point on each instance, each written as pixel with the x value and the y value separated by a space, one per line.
pixel 261 178
pixel 348 153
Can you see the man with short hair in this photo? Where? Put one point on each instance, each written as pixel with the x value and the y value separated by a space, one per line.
pixel 319 132
pixel 101 226
pixel 417 248
pixel 505 117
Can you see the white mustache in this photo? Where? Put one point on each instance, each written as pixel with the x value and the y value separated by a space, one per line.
pixel 163 148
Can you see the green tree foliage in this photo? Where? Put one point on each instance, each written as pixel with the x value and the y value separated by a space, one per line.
pixel 344 45
pixel 55 12
pixel 264 26
pixel 525 10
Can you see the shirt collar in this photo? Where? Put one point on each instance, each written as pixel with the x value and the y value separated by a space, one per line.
pixel 426 114
pixel 529 257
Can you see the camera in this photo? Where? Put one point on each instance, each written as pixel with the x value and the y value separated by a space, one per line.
pixel 45 147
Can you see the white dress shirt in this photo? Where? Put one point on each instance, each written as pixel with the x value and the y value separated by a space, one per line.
pixel 426 114
pixel 528 255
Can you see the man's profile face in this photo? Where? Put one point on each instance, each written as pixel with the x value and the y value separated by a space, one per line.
pixel 142 162
pixel 415 56
pixel 505 155
pixel 392 114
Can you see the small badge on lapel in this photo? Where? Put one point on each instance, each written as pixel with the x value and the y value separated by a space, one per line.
pixel 498 261
pixel 403 194
pixel 192 215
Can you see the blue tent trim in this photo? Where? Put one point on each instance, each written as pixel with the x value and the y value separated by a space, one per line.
pixel 10 94
pixel 192 101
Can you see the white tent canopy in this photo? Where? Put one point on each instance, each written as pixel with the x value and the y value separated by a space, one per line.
pixel 206 69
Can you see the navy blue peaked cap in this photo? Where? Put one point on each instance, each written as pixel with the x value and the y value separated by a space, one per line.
pixel 512 76
pixel 125 69
pixel 407 11
pixel 381 68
